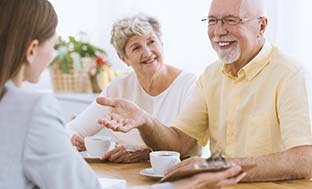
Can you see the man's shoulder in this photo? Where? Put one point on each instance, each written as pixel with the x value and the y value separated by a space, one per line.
pixel 285 63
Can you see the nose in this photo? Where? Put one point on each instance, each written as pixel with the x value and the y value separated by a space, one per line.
pixel 147 50
pixel 219 29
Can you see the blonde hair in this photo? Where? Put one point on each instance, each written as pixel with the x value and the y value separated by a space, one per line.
pixel 125 28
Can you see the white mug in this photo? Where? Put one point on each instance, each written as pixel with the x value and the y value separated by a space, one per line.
pixel 163 160
pixel 97 146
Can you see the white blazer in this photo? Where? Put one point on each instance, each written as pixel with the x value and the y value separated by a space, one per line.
pixel 35 151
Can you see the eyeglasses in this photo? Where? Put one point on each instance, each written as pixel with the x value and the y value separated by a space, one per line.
pixel 228 20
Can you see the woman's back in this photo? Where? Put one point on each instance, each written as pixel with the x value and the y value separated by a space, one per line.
pixel 35 150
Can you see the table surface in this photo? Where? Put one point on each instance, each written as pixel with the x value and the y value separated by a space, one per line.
pixel 131 173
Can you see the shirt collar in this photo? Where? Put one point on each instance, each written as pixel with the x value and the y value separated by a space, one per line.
pixel 256 65
pixel 9 83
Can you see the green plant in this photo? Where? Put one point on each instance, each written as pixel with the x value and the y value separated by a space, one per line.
pixel 72 51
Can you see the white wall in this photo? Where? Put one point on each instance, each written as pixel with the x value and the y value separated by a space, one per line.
pixel 183 32
pixel 185 38
pixel 184 35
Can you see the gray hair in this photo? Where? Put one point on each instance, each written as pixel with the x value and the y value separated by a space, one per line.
pixel 125 28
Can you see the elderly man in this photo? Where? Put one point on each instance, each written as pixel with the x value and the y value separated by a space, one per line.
pixel 251 104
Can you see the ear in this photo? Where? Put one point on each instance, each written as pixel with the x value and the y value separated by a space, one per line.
pixel 123 58
pixel 263 25
pixel 32 51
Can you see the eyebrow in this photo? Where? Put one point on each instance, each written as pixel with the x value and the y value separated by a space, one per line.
pixel 230 15
pixel 150 37
pixel 134 44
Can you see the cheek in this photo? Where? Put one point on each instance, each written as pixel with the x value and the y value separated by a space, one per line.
pixel 132 62
pixel 210 32
pixel 45 59
pixel 160 52
pixel 246 39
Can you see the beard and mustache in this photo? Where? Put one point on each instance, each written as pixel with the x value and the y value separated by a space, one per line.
pixel 227 56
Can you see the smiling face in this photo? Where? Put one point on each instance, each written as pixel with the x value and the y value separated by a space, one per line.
pixel 234 43
pixel 144 54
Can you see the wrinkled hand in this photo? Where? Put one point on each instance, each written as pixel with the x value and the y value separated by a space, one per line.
pixel 185 163
pixel 124 115
pixel 123 154
pixel 78 142
pixel 211 180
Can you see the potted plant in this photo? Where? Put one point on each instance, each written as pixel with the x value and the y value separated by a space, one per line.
pixel 72 70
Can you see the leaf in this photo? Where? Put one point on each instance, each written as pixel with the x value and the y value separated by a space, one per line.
pixel 73 50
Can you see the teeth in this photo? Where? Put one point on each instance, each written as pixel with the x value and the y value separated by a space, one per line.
pixel 222 44
pixel 148 61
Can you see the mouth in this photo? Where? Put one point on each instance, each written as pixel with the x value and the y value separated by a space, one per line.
pixel 225 44
pixel 149 61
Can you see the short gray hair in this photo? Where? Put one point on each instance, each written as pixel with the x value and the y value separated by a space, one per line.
pixel 125 28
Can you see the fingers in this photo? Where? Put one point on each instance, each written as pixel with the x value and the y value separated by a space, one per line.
pixel 113 122
pixel 116 123
pixel 125 128
pixel 218 179
pixel 138 156
pixel 106 101
pixel 119 157
pixel 119 154
pixel 78 142
pixel 113 125
pixel 184 163
pixel 233 180
pixel 107 155
pixel 231 172
pixel 122 154
pixel 229 176
pixel 240 177
pixel 176 167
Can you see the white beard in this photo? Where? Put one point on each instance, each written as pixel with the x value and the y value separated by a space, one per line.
pixel 229 56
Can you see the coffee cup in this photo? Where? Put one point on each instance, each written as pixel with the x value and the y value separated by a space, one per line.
pixel 163 160
pixel 97 146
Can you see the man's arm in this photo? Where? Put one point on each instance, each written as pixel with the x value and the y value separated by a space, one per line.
pixel 294 124
pixel 295 163
pixel 160 137
pixel 125 116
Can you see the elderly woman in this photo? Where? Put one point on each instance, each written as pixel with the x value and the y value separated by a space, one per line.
pixel 35 149
pixel 156 87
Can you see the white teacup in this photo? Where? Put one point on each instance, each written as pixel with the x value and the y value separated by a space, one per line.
pixel 97 146
pixel 163 160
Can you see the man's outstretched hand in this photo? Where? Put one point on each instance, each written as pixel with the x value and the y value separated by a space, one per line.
pixel 123 116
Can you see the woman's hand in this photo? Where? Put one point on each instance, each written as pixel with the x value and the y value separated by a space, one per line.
pixel 185 163
pixel 78 142
pixel 211 180
pixel 124 115
pixel 124 154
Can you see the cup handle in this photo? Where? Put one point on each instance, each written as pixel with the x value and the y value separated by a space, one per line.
pixel 174 161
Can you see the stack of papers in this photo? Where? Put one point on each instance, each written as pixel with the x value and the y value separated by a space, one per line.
pixel 108 183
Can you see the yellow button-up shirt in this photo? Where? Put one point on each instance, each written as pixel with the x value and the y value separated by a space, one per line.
pixel 261 111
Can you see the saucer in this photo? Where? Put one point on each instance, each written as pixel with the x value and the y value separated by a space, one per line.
pixel 150 173
pixel 85 154
pixel 90 159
